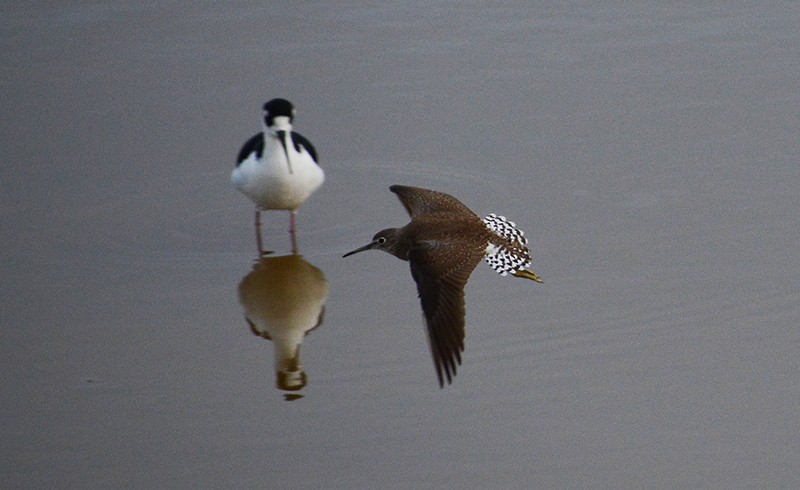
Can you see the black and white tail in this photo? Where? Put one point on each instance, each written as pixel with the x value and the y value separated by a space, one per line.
pixel 507 259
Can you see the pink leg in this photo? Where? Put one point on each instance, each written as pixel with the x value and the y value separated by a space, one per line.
pixel 258 233
pixel 293 231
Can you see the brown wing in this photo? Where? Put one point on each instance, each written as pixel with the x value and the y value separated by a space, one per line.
pixel 441 274
pixel 420 201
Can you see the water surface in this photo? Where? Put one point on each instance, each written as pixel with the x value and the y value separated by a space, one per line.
pixel 650 153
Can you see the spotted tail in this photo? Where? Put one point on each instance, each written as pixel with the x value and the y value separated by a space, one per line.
pixel 511 258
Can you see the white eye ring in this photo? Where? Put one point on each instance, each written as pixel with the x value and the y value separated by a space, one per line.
pixel 381 240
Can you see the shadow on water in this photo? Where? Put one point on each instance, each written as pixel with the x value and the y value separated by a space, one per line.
pixel 284 299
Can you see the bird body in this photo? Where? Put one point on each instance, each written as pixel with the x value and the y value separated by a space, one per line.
pixel 279 173
pixel 443 244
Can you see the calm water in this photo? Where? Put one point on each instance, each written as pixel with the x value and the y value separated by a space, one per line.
pixel 650 153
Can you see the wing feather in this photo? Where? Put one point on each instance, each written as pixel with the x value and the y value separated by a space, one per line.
pixel 253 145
pixel 420 201
pixel 441 276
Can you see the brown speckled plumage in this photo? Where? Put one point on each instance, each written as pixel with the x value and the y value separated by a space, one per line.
pixel 443 244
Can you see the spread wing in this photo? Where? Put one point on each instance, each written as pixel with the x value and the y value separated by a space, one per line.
pixel 420 201
pixel 253 145
pixel 441 274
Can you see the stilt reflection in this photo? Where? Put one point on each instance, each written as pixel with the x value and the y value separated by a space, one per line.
pixel 284 299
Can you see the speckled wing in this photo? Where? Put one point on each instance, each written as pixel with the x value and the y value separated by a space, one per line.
pixel 420 201
pixel 441 274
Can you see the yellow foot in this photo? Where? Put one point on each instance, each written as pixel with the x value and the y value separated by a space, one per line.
pixel 528 275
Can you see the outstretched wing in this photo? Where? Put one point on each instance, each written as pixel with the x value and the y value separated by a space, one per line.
pixel 420 201
pixel 441 274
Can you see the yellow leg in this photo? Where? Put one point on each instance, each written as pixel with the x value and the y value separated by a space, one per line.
pixel 528 275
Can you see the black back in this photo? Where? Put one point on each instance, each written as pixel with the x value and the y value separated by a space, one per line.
pixel 299 140
pixel 254 144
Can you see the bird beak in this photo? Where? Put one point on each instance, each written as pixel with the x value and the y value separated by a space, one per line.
pixel 368 246
pixel 282 138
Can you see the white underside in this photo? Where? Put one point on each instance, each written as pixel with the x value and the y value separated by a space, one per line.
pixel 273 183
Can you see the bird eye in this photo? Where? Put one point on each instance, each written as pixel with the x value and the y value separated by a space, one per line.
pixel 381 240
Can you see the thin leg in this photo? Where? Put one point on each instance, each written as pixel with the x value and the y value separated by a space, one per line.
pixel 258 233
pixel 293 231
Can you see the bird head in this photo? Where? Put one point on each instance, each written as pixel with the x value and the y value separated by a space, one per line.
pixel 278 108
pixel 386 240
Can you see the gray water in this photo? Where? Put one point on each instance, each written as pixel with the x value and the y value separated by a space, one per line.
pixel 649 151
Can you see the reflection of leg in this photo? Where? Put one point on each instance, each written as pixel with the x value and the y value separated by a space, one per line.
pixel 258 233
pixel 293 230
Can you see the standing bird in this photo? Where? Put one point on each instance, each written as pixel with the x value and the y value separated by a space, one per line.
pixel 443 244
pixel 277 168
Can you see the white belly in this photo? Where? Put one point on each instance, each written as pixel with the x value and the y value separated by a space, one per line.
pixel 272 182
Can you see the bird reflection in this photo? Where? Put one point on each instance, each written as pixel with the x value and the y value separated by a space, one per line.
pixel 284 299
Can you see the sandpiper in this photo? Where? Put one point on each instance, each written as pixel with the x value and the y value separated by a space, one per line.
pixel 443 244
pixel 277 168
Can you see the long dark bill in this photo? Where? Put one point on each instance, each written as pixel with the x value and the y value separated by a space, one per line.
pixel 368 246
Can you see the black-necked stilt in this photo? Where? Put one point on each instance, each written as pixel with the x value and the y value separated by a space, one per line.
pixel 443 243
pixel 277 168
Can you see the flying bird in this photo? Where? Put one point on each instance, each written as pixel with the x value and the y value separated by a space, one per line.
pixel 443 244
